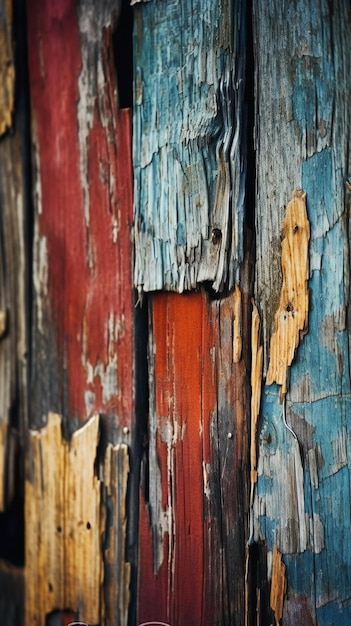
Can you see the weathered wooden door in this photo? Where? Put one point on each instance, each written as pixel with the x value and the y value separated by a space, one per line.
pixel 175 380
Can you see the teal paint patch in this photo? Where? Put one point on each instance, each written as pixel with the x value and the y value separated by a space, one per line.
pixel 189 143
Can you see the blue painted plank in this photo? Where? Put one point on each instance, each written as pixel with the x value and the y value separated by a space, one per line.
pixel 189 151
pixel 303 86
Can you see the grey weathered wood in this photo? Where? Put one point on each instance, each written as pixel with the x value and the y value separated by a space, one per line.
pixel 303 85
pixel 189 144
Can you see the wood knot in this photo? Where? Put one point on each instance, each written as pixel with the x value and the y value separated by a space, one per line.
pixel 216 236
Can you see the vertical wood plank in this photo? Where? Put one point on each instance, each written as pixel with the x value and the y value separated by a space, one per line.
pixel 83 361
pixel 189 143
pixel 192 530
pixel 67 521
pixel 303 142
pixel 82 250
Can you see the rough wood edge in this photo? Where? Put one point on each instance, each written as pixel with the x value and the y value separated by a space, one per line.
pixel 291 319
pixel 237 325
pixel 65 519
pixel 7 68
pixel 116 473
pixel 278 585
pixel 256 386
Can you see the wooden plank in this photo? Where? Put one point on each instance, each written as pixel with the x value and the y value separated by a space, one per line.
pixel 117 570
pixel 189 143
pixel 7 67
pixel 303 84
pixel 83 299
pixel 66 521
pixel 13 256
pixel 192 528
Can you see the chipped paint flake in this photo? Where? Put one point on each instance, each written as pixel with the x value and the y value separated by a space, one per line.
pixel 256 385
pixel 278 585
pixel 40 274
pixel 291 319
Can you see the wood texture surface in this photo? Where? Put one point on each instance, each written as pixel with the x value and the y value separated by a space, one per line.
pixel 83 307
pixel 7 66
pixel 303 83
pixel 194 502
pixel 66 520
pixel 189 147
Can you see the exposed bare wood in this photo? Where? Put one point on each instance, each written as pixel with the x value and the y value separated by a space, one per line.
pixel 237 323
pixel 117 571
pixel 83 566
pixel 44 515
pixel 65 521
pixel 278 585
pixel 291 319
pixel 7 68
pixel 256 385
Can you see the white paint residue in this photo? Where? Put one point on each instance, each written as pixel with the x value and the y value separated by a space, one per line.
pixel 206 470
pixel 37 181
pixel 285 502
pixel 108 378
pixel 40 273
pixel 91 82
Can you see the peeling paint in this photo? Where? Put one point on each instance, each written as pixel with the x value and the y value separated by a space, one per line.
pixel 291 319
pixel 40 274
pixel 278 585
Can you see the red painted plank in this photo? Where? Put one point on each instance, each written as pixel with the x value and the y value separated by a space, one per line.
pixel 193 526
pixel 184 401
pixel 84 214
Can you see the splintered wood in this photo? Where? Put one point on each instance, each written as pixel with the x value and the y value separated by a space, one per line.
pixel 278 585
pixel 7 68
pixel 256 384
pixel 291 319
pixel 65 522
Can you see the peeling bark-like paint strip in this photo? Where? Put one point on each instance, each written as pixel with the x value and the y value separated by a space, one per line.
pixel 278 585
pixel 237 323
pixel 65 518
pixel 291 319
pixel 117 571
pixel 7 68
pixel 256 385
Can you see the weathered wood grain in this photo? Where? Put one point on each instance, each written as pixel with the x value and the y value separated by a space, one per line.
pixel 7 66
pixel 194 503
pixel 291 318
pixel 14 272
pixel 189 144
pixel 83 343
pixel 66 521
pixel 83 299
pixel 303 83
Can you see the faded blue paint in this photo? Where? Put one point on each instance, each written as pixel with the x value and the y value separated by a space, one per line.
pixel 314 118
pixel 189 148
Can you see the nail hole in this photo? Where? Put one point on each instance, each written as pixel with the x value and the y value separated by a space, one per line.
pixel 88 525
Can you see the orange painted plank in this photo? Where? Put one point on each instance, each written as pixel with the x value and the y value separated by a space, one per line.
pixel 197 467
